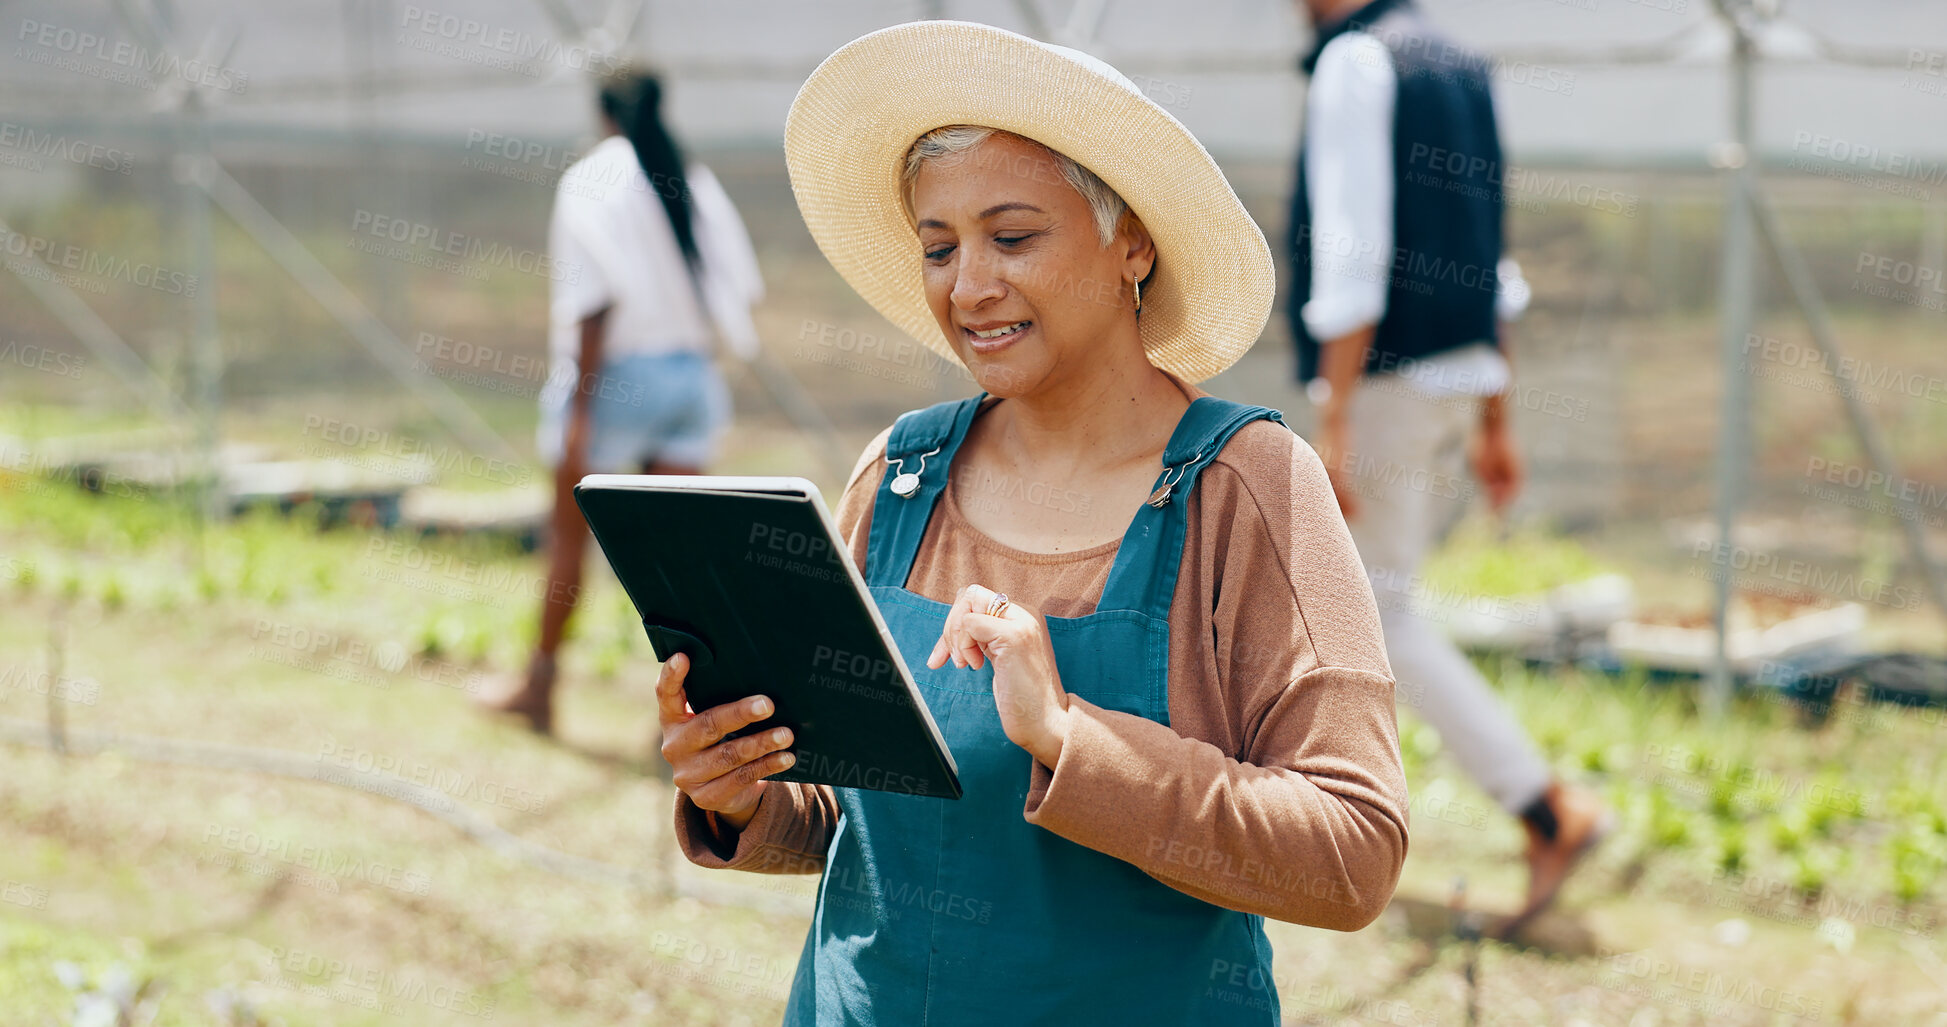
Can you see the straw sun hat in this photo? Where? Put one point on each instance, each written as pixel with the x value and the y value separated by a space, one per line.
pixel 852 123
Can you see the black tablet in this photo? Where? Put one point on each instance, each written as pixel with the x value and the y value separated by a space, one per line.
pixel 749 577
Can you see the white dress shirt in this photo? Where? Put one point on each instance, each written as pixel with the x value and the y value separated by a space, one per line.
pixel 613 247
pixel 1349 185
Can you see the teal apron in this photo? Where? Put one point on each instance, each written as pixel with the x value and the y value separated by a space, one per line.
pixel 940 911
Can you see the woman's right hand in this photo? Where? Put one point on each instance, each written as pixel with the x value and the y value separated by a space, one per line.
pixel 725 777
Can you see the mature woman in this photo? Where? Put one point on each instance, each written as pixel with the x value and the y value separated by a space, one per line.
pixel 1136 615
pixel 656 267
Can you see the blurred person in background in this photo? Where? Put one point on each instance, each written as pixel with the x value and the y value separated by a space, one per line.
pixel 652 264
pixel 1398 302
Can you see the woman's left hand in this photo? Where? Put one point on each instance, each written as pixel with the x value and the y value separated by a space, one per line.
pixel 1027 688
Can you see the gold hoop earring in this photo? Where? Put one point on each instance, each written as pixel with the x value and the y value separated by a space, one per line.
pixel 1137 286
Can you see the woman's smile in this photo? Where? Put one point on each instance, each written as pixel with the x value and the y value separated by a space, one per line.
pixel 994 336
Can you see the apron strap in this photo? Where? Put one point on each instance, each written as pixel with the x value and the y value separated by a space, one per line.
pixel 918 454
pixel 1146 565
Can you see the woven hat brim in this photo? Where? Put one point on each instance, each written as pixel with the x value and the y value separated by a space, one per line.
pixel 849 129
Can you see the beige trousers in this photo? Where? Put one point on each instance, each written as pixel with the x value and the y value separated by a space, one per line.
pixel 1408 468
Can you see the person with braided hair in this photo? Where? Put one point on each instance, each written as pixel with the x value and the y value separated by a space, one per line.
pixel 653 264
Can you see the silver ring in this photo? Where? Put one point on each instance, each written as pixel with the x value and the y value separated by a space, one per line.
pixel 997 605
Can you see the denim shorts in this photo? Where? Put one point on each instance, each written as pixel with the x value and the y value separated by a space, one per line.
pixel 643 408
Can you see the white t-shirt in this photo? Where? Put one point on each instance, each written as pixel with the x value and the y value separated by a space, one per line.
pixel 612 244
pixel 1349 184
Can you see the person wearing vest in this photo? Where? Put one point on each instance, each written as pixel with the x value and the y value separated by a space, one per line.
pixel 1398 296
pixel 1132 607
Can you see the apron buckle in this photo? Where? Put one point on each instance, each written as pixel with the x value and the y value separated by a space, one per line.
pixel 906 483
pixel 1161 497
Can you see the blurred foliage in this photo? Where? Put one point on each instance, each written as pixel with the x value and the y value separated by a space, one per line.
pixel 1477 559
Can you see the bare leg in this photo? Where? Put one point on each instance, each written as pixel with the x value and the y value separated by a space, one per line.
pixel 567 552
pixel 567 541
pixel 567 547
pixel 532 696
pixel 569 532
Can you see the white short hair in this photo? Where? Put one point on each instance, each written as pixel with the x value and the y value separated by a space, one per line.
pixel 1107 206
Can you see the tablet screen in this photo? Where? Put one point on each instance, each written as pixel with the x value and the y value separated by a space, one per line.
pixel 749 576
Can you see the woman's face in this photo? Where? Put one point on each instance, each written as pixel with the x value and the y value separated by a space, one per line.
pixel 1020 282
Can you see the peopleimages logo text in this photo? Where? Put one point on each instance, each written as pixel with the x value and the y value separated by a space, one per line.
pixel 75 43
pixel 517 46
pixel 463 246
pixel 14 136
pixel 97 264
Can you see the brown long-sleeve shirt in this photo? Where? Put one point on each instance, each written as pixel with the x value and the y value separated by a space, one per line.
pixel 1276 788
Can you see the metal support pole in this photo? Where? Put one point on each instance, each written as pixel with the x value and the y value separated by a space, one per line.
pixel 1805 289
pixel 1031 18
pixel 206 348
pixel 1736 297
pixel 344 305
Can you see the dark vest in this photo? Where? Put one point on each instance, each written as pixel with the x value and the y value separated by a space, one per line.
pixel 1447 206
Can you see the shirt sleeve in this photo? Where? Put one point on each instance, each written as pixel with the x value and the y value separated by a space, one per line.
pixel 1301 813
pixel 728 239
pixel 1510 290
pixel 732 281
pixel 792 828
pixel 586 272
pixel 1349 184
